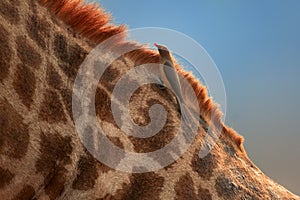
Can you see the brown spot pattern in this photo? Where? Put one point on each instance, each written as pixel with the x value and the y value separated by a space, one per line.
pixel 55 150
pixel 5 53
pixel 38 30
pixel 156 142
pixel 116 141
pixel 5 177
pixel 92 139
pixel 250 186
pixel 110 75
pixel 27 192
pixel 61 48
pixel 53 78
pixel 55 154
pixel 226 188
pixel 24 84
pixel 27 54
pixel 228 148
pixel 145 186
pixel 55 182
pixel 244 177
pixel 103 106
pixel 14 133
pixel 159 140
pixel 52 109
pixel 204 166
pixel 204 194
pixel 184 189
pixel 10 12
pixel 108 154
pixel 71 55
pixel 87 173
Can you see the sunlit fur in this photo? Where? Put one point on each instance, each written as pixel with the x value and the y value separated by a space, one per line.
pixel 93 23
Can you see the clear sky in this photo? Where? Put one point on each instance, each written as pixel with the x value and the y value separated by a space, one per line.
pixel 256 46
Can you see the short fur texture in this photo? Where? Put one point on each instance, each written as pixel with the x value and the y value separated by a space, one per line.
pixel 93 23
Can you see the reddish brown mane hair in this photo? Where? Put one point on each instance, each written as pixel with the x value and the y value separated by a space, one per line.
pixel 93 23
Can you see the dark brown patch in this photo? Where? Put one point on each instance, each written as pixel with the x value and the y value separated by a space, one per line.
pixel 53 77
pixel 27 192
pixel 55 154
pixel 228 148
pixel 116 141
pixel 87 173
pixel 55 150
pixel 184 188
pixel 156 142
pixel 5 53
pixel 139 108
pixel 24 84
pixel 55 182
pixel 166 93
pixel 38 29
pixel 14 133
pixel 204 194
pixel 76 56
pixel 10 12
pixel 61 48
pixel 110 75
pixel 93 138
pixel 52 109
pixel 204 166
pixel 129 81
pixel 5 177
pixel 145 186
pixel 159 140
pixel 226 188
pixel 103 106
pixel 71 55
pixel 27 54
pixel 108 153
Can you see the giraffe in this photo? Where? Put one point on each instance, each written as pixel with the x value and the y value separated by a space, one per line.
pixel 42 44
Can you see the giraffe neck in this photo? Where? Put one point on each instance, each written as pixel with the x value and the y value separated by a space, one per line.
pixel 40 152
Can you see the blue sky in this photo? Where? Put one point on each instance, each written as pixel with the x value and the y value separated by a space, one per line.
pixel 256 46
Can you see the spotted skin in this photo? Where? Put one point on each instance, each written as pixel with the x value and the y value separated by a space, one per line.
pixel 42 45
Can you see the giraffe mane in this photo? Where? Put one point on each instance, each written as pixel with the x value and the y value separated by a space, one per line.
pixel 93 23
